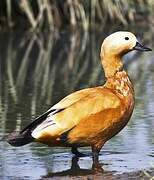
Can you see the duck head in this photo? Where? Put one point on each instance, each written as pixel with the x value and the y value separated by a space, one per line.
pixel 115 46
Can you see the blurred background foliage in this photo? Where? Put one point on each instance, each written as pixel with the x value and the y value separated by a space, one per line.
pixel 58 14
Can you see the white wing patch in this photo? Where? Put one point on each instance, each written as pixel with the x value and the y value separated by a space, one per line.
pixel 49 126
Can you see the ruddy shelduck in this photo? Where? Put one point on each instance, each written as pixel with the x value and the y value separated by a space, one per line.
pixel 92 116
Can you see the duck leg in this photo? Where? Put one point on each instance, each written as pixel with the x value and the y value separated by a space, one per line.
pixel 75 166
pixel 75 151
pixel 96 166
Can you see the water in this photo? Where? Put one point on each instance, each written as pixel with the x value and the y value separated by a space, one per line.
pixel 36 71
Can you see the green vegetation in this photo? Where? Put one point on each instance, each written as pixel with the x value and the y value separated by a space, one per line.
pixel 49 14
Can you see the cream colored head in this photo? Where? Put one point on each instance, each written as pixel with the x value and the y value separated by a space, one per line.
pixel 118 43
pixel 114 47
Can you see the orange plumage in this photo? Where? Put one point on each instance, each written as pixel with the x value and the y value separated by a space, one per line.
pixel 92 116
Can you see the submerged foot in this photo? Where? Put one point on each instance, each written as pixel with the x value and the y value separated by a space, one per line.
pixel 97 167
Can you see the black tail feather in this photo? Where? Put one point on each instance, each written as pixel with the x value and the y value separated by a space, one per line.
pixel 24 137
pixel 17 139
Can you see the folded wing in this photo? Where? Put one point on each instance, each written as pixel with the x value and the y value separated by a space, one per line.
pixel 74 109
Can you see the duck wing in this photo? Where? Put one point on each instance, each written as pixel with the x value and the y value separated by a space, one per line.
pixel 75 108
pixel 64 103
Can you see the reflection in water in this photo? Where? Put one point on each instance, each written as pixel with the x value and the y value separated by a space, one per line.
pixel 36 71
pixel 74 170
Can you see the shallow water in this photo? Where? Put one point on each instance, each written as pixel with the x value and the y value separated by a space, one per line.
pixel 36 71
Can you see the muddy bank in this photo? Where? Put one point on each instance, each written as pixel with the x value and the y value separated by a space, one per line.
pixel 105 176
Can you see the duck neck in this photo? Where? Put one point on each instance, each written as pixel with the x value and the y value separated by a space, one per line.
pixel 112 65
pixel 121 83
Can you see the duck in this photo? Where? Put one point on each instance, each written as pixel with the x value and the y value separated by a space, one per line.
pixel 91 116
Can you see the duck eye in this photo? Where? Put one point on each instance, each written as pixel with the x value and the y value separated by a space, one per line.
pixel 126 38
